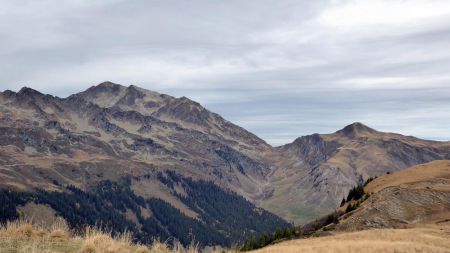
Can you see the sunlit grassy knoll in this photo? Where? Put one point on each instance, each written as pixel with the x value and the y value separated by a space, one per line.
pixel 430 239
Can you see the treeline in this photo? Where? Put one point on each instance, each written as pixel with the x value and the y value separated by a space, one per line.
pixel 357 195
pixel 306 230
pixel 224 217
pixel 184 228
pixel 265 239
pixel 106 208
pixel 9 200
pixel 223 210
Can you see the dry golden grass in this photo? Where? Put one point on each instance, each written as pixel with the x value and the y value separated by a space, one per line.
pixel 23 237
pixel 417 195
pixel 431 239
pixel 436 171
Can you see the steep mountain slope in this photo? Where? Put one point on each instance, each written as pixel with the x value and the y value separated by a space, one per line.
pixel 315 172
pixel 111 132
pixel 42 134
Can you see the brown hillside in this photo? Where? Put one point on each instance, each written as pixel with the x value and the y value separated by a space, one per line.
pixel 433 175
pixel 418 195
pixel 434 239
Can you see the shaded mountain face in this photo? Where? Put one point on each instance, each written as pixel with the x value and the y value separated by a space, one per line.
pixel 111 132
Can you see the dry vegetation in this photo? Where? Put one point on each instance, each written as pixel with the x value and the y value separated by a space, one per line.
pixel 23 237
pixel 431 239
pixel 417 195
pixel 433 175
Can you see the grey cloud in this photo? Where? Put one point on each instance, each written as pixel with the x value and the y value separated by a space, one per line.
pixel 271 66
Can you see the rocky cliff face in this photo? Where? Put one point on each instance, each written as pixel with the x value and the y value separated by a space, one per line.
pixel 110 131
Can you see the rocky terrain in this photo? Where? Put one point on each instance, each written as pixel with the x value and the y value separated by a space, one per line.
pixel 112 132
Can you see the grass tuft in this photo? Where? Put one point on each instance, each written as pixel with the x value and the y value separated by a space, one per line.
pixel 25 237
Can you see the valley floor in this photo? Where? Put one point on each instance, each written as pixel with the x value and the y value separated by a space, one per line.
pixel 430 239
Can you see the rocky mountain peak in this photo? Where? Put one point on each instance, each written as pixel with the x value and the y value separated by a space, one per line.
pixel 109 84
pixel 131 94
pixel 105 94
pixel 26 94
pixel 8 93
pixel 26 91
pixel 312 149
pixel 186 110
pixel 356 129
pixel 105 87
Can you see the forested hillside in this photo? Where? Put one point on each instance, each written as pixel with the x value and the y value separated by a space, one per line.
pixel 224 217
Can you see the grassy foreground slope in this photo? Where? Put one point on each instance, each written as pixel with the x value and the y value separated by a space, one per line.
pixel 23 237
pixel 433 239
pixel 434 175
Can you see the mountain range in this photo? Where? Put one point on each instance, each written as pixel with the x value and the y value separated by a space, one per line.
pixel 154 146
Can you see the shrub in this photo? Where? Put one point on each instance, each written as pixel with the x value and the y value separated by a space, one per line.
pixel 352 207
pixel 356 193
pixel 342 202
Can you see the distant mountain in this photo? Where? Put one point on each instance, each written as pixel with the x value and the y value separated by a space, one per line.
pixel 139 138
pixel 315 172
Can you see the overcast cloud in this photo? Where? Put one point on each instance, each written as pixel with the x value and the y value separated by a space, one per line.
pixel 279 68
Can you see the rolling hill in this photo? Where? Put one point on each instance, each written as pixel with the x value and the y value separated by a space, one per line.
pixel 417 195
pixel 427 239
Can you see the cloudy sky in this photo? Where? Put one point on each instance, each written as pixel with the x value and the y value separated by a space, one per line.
pixel 279 68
